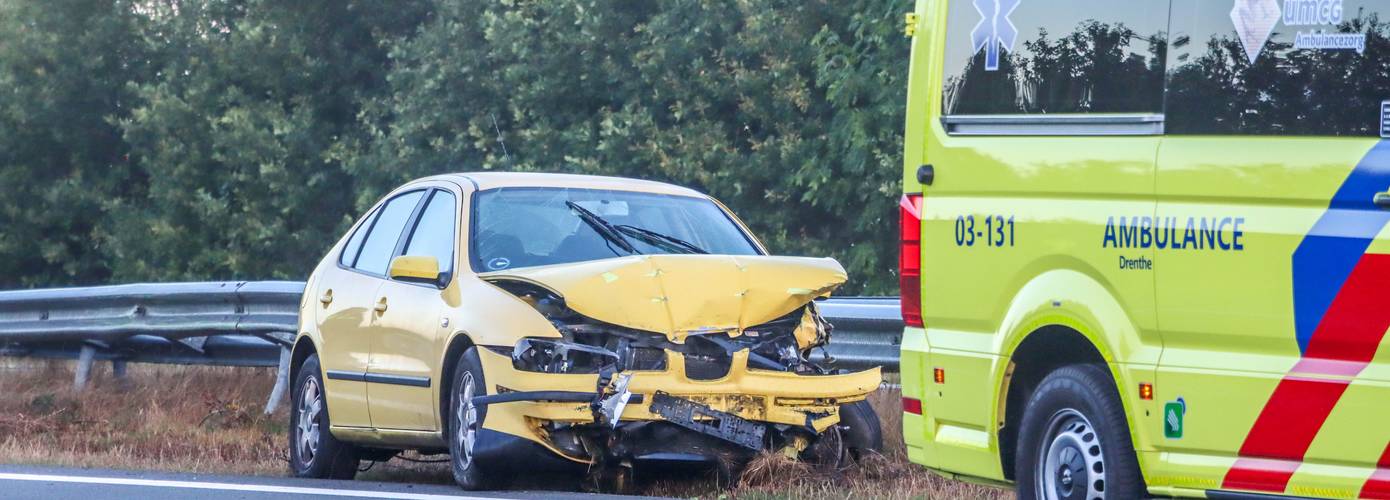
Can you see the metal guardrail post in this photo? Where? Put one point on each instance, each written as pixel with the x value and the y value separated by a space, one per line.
pixel 84 367
pixel 282 381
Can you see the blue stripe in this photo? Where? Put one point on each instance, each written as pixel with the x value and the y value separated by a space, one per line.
pixel 1329 252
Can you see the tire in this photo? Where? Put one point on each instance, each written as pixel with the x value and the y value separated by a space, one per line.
pixel 862 431
pixel 314 452
pixel 857 435
pixel 465 422
pixel 1075 443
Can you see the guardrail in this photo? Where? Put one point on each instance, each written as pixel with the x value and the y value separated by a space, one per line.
pixel 253 323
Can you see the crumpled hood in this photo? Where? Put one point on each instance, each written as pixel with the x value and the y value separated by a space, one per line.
pixel 680 294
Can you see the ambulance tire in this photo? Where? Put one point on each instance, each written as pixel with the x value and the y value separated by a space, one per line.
pixel 1075 440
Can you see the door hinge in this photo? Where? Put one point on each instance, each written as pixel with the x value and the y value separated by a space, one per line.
pixel 910 24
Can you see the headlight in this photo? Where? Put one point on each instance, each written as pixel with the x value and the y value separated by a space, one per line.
pixel 556 356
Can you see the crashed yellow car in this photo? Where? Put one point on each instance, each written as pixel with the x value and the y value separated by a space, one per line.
pixel 530 319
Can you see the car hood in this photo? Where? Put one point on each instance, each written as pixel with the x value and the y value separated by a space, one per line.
pixel 679 295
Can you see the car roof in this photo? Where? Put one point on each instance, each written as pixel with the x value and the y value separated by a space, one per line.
pixel 491 180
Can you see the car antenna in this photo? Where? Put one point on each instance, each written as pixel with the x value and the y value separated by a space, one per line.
pixel 500 140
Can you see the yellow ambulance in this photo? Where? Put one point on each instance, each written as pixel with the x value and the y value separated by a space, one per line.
pixel 1145 247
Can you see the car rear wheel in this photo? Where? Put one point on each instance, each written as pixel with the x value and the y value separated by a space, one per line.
pixel 1075 443
pixel 466 421
pixel 314 452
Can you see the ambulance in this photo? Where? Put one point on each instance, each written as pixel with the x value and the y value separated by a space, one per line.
pixel 1145 247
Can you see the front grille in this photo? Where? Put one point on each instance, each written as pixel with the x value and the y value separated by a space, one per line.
pixel 702 367
pixel 705 359
pixel 645 358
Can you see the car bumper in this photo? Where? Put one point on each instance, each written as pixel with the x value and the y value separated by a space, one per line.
pixel 521 403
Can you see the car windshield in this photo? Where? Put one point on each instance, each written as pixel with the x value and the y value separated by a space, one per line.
pixel 524 227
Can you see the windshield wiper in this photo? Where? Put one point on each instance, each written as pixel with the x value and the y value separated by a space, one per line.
pixel 655 237
pixel 602 227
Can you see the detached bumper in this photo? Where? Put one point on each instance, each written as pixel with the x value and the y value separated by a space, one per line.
pixel 755 395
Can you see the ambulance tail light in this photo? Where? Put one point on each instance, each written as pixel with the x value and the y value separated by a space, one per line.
pixel 912 406
pixel 910 258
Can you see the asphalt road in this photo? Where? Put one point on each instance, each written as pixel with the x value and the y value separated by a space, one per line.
pixel 24 482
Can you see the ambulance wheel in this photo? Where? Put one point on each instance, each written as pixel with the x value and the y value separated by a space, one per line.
pixel 314 452
pixel 1075 443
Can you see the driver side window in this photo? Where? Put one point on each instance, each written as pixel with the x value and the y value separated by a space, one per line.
pixel 385 232
pixel 434 234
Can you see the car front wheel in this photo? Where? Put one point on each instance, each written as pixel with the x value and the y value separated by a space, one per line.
pixel 466 421
pixel 314 452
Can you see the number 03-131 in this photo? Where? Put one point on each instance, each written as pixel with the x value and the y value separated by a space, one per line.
pixel 989 230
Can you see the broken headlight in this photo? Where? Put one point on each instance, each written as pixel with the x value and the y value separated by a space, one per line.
pixel 557 356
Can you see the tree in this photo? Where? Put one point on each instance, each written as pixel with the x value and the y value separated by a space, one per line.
pixel 790 112
pixel 63 72
pixel 239 135
pixel 238 139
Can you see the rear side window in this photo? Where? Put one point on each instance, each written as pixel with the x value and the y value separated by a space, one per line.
pixel 354 244
pixel 1055 56
pixel 1286 67
pixel 380 244
pixel 434 233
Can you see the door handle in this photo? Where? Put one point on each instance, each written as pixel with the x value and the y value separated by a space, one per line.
pixel 327 297
pixel 1382 200
pixel 381 306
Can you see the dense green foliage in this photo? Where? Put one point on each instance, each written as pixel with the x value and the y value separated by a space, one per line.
pixel 236 139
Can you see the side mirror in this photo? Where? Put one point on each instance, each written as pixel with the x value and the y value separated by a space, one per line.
pixel 417 269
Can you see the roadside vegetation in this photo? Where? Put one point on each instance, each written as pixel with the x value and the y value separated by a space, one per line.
pixel 209 420
pixel 167 140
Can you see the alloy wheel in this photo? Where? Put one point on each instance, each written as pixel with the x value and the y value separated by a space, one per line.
pixel 466 419
pixel 310 405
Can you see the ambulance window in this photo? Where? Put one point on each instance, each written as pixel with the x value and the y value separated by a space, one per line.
pixel 1286 67
pixel 1055 56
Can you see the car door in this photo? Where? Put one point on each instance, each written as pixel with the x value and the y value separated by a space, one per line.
pixel 1270 287
pixel 407 335
pixel 346 295
pixel 1043 155
pixel 342 310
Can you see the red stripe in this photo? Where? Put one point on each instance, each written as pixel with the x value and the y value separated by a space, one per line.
pixel 1343 344
pixel 1260 474
pixel 1378 486
pixel 1354 325
pixel 1283 432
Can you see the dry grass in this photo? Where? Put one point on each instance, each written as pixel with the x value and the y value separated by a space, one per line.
pixel 890 475
pixel 200 419
pixel 206 419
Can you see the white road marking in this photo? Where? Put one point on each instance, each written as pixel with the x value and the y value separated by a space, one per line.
pixel 290 490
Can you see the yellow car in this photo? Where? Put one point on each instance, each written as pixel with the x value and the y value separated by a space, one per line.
pixel 530 319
